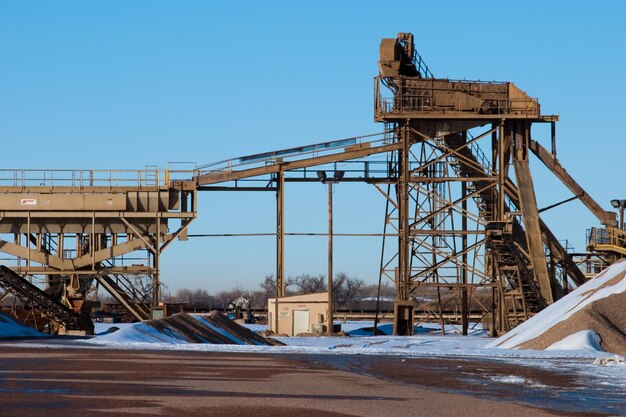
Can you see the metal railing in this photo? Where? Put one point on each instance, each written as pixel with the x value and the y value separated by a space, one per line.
pixel 421 66
pixel 302 152
pixel 51 178
pixel 606 237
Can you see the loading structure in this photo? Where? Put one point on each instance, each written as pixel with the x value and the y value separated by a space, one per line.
pixel 462 226
pixel 66 234
pixel 464 203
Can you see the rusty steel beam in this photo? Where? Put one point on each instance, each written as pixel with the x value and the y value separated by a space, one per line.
pixel 549 239
pixel 32 254
pixel 121 297
pixel 607 218
pixel 530 216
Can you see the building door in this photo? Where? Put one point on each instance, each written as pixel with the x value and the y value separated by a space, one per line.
pixel 300 321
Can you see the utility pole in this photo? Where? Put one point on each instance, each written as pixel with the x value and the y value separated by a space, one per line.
pixel 329 319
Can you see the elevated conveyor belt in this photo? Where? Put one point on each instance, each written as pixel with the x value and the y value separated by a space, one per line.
pixel 38 299
pixel 293 159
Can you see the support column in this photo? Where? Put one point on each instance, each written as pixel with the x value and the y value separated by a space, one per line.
pixel 403 217
pixel 280 237
pixel 403 308
pixel 156 280
pixel 464 295
pixel 329 318
pixel 530 213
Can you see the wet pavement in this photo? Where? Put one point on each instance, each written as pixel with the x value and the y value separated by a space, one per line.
pixel 60 382
pixel 568 385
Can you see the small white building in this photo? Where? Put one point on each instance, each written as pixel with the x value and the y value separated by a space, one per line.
pixel 298 314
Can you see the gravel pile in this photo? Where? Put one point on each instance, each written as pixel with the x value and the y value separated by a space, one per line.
pixel 606 317
pixel 597 306
pixel 212 328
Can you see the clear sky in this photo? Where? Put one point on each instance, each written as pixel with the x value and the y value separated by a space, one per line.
pixel 119 84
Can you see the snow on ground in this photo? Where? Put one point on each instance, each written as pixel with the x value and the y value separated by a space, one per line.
pixel 583 340
pixel 595 289
pixel 428 342
pixel 133 333
pixel 10 328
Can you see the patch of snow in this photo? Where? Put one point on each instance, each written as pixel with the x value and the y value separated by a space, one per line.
pixel 384 298
pixel 594 289
pixel 517 380
pixel 253 327
pixel 384 328
pixel 136 333
pixel 583 340
pixel 509 379
pixel 100 328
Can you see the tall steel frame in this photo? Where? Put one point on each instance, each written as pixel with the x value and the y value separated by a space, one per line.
pixel 462 227
pixel 467 219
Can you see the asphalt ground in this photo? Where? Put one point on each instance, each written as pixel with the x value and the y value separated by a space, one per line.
pixel 101 382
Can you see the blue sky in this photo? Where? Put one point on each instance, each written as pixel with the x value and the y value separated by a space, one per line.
pixel 126 84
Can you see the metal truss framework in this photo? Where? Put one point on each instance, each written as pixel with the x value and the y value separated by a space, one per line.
pixel 75 231
pixel 466 220
pixel 462 228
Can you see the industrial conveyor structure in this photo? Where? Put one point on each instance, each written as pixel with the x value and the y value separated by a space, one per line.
pixel 464 219
pixel 71 232
pixel 462 228
pixel 462 224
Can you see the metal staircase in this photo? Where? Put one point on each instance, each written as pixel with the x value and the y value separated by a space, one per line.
pixel 114 287
pixel 506 239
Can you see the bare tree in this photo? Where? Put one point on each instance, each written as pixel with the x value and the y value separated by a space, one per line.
pixel 307 284
pixel 201 299
pixel 268 287
pixel 346 289
pixel 184 295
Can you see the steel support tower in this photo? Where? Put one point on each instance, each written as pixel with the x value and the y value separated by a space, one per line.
pixel 464 204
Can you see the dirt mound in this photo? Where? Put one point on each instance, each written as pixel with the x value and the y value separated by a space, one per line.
pixel 212 328
pixel 606 317
pixel 596 306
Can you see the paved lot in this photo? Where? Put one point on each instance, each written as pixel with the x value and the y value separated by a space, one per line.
pixel 94 382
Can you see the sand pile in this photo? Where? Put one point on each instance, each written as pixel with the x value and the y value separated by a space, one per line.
pixel 212 328
pixel 594 310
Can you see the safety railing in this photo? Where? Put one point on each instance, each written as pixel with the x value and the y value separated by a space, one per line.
pixel 603 238
pixel 291 154
pixel 421 66
pixel 54 178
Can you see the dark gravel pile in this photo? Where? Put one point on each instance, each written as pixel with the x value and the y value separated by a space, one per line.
pixel 212 328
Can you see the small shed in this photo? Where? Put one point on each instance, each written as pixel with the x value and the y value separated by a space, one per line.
pixel 298 314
